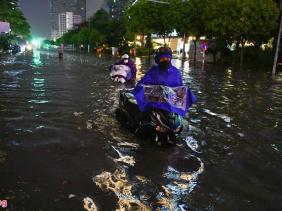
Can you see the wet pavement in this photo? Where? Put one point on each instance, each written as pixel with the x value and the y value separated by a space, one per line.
pixel 62 149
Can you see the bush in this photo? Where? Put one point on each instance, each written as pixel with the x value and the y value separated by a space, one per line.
pixel 257 56
pixel 144 51
pixel 4 42
pixel 108 51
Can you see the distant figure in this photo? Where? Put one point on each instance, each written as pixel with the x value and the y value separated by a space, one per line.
pixel 61 55
pixel 99 50
pixel 125 60
pixel 61 52
pixel 133 52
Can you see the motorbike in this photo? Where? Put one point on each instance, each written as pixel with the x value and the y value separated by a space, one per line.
pixel 156 124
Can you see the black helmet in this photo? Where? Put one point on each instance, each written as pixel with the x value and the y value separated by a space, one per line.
pixel 163 51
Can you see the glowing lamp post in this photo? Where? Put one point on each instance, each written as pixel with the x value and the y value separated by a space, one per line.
pixel 36 43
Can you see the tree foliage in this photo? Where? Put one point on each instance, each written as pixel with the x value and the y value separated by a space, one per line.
pixel 251 20
pixel 98 30
pixel 227 21
pixel 101 21
pixel 241 21
pixel 150 17
pixel 189 16
pixel 84 36
pixel 10 12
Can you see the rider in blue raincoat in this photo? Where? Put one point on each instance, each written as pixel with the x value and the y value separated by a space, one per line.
pixel 164 73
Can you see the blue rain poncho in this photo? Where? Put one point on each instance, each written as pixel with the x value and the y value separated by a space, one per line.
pixel 167 79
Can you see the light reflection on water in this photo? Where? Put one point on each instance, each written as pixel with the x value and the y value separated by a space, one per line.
pixel 39 91
pixel 138 63
pixel 180 184
pixel 231 132
pixel 119 184
pixel 124 145
pixel 36 61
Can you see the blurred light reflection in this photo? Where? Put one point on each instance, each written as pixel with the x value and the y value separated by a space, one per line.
pixel 179 184
pixel 38 91
pixel 36 59
pixel 139 73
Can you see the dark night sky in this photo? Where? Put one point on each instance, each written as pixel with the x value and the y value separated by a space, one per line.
pixel 37 14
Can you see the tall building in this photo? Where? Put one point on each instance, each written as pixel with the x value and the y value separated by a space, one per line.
pixel 62 24
pixel 67 21
pixel 76 20
pixel 77 7
pixel 117 8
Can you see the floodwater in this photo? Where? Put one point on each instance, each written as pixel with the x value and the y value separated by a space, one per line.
pixel 229 159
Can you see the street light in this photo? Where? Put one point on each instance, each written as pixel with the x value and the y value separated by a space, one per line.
pixel 156 1
pixel 36 43
pixel 278 42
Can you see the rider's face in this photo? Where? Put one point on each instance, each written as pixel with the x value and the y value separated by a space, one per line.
pixel 125 61
pixel 164 63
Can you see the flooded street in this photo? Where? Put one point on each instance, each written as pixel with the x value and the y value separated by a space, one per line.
pixel 61 147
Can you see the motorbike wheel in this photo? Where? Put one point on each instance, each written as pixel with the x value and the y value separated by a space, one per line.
pixel 145 130
pixel 130 123
pixel 173 139
pixel 124 117
pixel 119 115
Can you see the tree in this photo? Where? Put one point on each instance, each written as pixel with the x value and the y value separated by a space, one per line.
pixel 5 40
pixel 188 19
pixel 117 32
pixel 67 38
pixel 101 21
pixel 241 21
pixel 137 19
pixel 98 30
pixel 95 38
pixel 149 17
pixel 85 36
pixel 110 30
pixel 11 13
pixel 162 21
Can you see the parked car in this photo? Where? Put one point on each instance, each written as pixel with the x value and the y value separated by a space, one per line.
pixel 15 49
